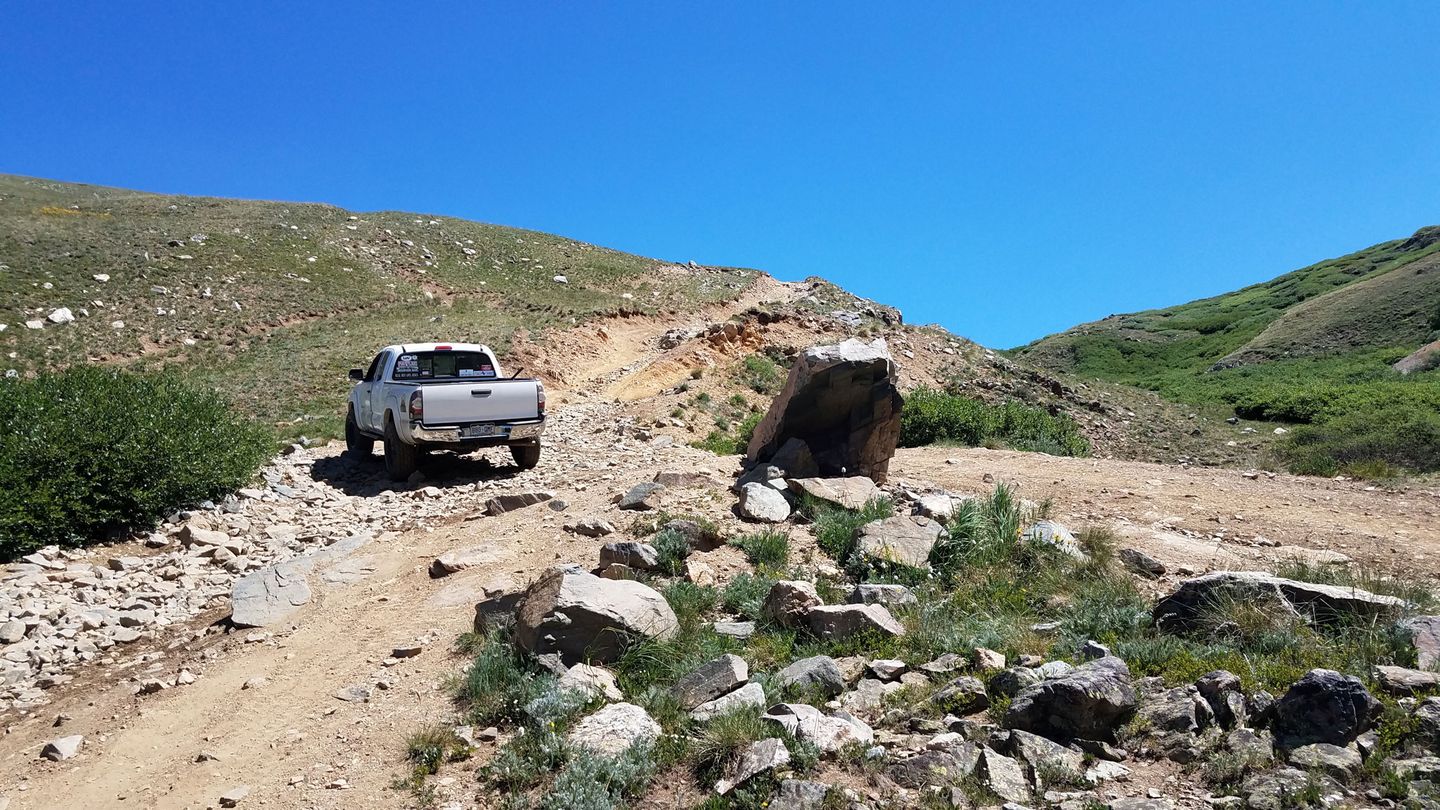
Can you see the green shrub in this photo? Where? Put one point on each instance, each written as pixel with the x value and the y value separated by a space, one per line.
pixel 91 451
pixel 769 548
pixel 761 374
pixel 690 602
pixel 1369 441
pixel 932 417
pixel 745 595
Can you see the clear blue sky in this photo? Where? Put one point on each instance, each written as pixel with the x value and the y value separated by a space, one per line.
pixel 1006 169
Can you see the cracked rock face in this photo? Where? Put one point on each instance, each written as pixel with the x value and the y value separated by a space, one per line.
pixel 841 401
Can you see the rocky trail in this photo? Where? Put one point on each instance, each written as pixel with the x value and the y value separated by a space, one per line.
pixel 132 648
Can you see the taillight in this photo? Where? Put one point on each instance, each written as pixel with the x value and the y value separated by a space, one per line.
pixel 417 404
pixel 540 398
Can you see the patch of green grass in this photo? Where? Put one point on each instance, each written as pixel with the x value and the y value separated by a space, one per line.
pixel 500 682
pixel 691 603
pixel 433 745
pixel 936 417
pixel 761 375
pixel 722 739
pixel 768 548
pixel 837 528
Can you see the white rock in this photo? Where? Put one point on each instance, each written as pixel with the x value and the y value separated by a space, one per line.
pixel 61 315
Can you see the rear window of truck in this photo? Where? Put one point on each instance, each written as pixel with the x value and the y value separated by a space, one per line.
pixel 443 366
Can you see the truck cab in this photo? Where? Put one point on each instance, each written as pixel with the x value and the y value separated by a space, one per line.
pixel 419 397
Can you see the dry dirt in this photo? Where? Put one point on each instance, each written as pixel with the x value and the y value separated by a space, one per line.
pixel 295 745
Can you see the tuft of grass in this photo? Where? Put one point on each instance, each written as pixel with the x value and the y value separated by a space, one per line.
pixel 745 595
pixel 500 682
pixel 432 745
pixel 672 548
pixel 837 528
pixel 691 603
pixel 768 548
pixel 761 375
pixel 722 739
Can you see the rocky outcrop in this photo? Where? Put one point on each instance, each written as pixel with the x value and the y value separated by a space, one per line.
pixel 841 401
pixel 1089 702
pixel 578 615
pixel 1186 608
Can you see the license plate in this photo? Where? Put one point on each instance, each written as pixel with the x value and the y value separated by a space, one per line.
pixel 482 431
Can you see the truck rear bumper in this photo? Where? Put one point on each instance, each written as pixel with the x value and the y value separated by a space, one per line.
pixel 477 434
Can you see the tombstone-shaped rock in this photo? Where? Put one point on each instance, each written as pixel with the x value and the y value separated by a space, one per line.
pixel 841 401
pixel 581 616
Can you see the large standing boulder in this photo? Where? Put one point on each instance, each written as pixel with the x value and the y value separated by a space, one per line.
pixel 1324 707
pixel 1089 702
pixel 1186 608
pixel 905 540
pixel 579 615
pixel 841 401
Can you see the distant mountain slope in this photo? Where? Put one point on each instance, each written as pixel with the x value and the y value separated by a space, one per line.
pixel 1386 296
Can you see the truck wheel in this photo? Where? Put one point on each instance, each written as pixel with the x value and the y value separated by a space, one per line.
pixel 357 445
pixel 401 459
pixel 526 455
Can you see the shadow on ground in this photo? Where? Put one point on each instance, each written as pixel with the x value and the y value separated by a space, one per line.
pixel 367 478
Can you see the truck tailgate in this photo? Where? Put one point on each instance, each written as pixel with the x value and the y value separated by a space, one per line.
pixel 488 401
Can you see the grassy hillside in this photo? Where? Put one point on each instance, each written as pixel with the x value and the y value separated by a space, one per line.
pixel 1312 346
pixel 273 302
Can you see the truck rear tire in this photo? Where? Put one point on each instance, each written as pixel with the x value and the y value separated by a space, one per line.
pixel 401 459
pixel 526 455
pixel 357 445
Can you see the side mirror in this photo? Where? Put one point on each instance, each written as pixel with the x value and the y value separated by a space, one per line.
pixel 357 374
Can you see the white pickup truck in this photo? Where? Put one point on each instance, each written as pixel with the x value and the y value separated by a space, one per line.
pixel 417 397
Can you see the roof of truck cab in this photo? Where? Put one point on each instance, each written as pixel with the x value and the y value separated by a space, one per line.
pixel 430 347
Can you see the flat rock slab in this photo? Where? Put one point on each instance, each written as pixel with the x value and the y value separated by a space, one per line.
pixel 1183 609
pixel 850 493
pixel 458 560
pixel 269 595
pixel 509 502
pixel 905 540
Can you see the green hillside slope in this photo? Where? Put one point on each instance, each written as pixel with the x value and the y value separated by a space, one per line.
pixel 1314 346
pixel 272 302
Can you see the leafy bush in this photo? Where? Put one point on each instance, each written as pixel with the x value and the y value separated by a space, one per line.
pixel 1367 442
pixel 90 451
pixel 932 417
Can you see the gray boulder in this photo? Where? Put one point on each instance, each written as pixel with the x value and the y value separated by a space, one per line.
pixel 269 595
pixel 842 402
pixel 850 493
pixel 509 502
pixel 962 696
pixel 750 696
pixel 757 758
pixel 763 504
pixel 1181 709
pixel 642 497
pixel 1276 790
pixel 877 594
pixel 790 601
pixel 905 540
pixel 711 680
pixel 1003 776
pixel 1042 756
pixel 1010 682
pixel 832 622
pixel 829 733
pixel 62 748
pixel 1089 703
pixel 637 556
pixel 1221 691
pixel 612 730
pixel 1341 763
pixel 1324 707
pixel 928 768
pixel 819 673
pixel 1138 562
pixel 578 615
pixel 799 794
pixel 1425 638
pixel 590 527
pixel 1403 681
pixel 1185 609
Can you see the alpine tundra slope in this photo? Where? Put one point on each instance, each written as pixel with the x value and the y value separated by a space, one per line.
pixel 418 397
